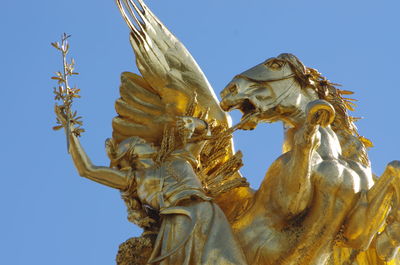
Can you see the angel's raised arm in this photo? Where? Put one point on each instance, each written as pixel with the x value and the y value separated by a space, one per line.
pixel 103 175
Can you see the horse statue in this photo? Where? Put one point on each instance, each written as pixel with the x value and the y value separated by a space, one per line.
pixel 320 193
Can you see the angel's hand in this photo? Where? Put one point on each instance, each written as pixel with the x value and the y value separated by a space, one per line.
pixel 61 116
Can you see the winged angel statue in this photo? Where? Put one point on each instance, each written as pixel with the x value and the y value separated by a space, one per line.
pixel 172 158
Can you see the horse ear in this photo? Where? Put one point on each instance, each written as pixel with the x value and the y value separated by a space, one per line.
pixel 299 69
pixel 294 61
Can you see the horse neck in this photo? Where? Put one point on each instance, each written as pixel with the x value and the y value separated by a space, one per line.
pixel 329 145
pixel 347 145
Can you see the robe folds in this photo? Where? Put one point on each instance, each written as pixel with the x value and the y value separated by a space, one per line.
pixel 194 230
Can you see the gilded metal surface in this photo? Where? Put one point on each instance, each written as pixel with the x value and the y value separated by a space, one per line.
pixel 321 192
pixel 172 158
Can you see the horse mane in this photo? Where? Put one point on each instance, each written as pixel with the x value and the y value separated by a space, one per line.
pixel 343 125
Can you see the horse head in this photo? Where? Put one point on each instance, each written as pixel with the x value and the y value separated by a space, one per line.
pixel 281 88
pixel 276 89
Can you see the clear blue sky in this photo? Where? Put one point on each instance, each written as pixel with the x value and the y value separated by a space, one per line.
pixel 51 216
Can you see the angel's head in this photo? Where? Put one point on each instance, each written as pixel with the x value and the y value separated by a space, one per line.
pixel 133 152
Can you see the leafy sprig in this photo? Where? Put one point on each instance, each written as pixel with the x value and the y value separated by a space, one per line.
pixel 64 94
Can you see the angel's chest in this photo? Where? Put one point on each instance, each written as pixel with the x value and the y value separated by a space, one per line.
pixel 149 184
pixel 161 187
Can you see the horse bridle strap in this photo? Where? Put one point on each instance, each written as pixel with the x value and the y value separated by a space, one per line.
pixel 265 81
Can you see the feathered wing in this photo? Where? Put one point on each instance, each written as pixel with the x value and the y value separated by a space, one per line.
pixel 169 73
pixel 141 112
pixel 171 80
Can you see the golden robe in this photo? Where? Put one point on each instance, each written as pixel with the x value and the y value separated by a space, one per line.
pixel 194 230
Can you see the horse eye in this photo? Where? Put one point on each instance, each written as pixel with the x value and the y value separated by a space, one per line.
pixel 274 64
pixel 233 88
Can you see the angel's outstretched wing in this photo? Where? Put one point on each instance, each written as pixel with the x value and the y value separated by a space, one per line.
pixel 171 82
pixel 140 109
pixel 171 78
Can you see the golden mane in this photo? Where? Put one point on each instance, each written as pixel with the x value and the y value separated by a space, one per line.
pixel 343 124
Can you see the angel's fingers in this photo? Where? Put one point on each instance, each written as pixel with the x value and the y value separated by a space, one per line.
pixel 60 114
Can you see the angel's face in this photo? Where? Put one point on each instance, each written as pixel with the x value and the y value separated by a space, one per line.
pixel 260 91
pixel 186 124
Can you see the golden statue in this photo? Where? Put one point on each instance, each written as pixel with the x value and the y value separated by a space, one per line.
pixel 172 158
